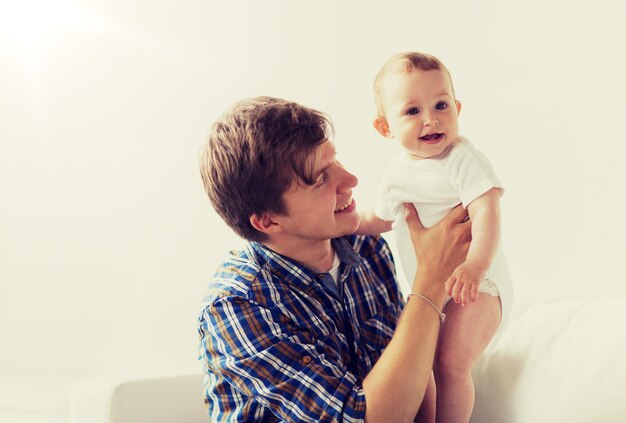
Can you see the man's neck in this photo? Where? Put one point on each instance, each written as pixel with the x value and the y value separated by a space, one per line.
pixel 316 255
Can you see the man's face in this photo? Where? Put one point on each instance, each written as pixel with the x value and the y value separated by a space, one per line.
pixel 324 210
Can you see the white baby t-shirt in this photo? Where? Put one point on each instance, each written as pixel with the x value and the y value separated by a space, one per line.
pixel 435 186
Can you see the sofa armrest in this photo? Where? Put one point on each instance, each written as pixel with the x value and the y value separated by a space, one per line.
pixel 129 398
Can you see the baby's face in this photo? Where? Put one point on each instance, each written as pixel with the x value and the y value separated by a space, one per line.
pixel 420 111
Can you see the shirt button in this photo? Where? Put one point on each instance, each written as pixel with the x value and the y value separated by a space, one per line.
pixel 306 359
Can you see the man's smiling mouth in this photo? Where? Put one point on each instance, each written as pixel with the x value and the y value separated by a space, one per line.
pixel 346 205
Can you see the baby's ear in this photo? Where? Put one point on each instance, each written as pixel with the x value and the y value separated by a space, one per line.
pixel 458 106
pixel 382 127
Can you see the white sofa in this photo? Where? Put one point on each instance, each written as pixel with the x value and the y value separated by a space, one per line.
pixel 138 398
pixel 555 362
pixel 36 398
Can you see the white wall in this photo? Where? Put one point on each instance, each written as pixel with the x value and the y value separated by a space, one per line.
pixel 106 237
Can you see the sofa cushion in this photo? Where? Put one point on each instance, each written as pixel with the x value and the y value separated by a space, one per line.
pixel 138 398
pixel 34 398
pixel 559 361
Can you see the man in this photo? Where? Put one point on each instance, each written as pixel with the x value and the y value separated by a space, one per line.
pixel 303 324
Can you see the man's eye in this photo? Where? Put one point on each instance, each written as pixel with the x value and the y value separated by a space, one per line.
pixel 441 105
pixel 322 179
pixel 413 111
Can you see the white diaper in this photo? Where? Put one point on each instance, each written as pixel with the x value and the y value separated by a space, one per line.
pixel 486 286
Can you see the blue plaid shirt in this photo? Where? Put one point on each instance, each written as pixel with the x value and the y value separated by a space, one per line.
pixel 280 342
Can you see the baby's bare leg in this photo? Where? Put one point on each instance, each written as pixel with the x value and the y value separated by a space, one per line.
pixel 464 336
pixel 426 413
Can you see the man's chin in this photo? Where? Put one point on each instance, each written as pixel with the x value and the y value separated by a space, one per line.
pixel 355 227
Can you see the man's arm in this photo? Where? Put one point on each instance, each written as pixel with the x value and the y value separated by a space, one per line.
pixel 395 387
pixel 263 359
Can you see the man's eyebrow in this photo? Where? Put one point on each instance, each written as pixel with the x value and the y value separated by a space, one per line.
pixel 319 172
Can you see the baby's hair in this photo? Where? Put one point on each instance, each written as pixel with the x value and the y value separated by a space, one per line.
pixel 407 62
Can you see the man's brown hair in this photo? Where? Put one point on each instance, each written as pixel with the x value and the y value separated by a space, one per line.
pixel 253 154
pixel 406 62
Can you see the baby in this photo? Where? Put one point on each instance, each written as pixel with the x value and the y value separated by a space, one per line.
pixel 437 170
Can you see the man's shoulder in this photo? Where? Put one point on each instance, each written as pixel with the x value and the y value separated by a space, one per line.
pixel 376 266
pixel 235 275
pixel 369 246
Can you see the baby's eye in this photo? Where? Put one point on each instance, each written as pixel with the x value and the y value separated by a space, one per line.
pixel 442 105
pixel 413 111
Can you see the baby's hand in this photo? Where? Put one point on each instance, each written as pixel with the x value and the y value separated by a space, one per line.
pixel 463 284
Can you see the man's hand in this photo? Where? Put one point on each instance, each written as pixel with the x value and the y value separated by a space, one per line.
pixel 440 249
pixel 463 284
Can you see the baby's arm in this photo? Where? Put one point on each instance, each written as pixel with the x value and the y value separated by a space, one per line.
pixel 371 224
pixel 484 213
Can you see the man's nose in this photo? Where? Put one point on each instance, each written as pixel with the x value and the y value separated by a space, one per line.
pixel 348 180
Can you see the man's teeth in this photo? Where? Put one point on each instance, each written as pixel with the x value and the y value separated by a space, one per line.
pixel 348 204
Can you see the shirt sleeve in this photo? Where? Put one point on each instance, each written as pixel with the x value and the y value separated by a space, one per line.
pixel 262 353
pixel 472 175
pixel 386 207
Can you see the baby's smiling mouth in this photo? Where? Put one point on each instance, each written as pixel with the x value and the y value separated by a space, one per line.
pixel 432 138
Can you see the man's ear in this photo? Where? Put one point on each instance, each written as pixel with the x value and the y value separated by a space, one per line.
pixel 458 107
pixel 264 223
pixel 380 123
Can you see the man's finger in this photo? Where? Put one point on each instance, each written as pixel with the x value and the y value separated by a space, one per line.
pixel 411 217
